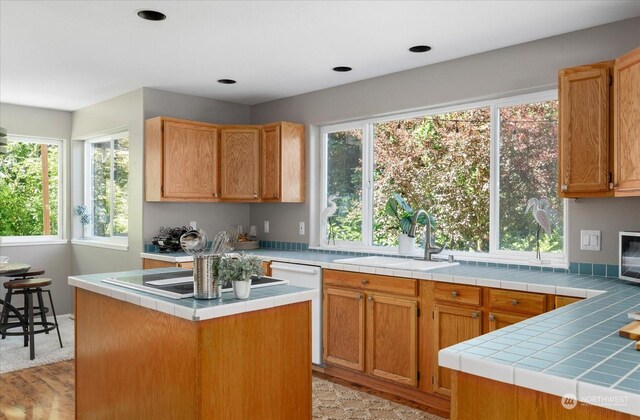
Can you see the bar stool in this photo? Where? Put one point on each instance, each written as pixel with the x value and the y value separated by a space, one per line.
pixel 25 321
pixel 32 273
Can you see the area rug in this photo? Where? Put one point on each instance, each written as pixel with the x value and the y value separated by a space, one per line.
pixel 333 401
pixel 14 356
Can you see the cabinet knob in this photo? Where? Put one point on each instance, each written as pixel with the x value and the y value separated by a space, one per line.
pixel 365 281
pixel 454 294
pixel 474 315
pixel 215 194
pixel 370 298
pixel 492 317
pixel 564 187
pixel 514 302
pixel 255 195
pixel 359 297
pixel 275 195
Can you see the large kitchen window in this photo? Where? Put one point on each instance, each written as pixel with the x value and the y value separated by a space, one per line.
pixel 473 168
pixel 107 187
pixel 30 189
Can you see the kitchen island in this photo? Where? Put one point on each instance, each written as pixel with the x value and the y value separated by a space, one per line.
pixel 147 357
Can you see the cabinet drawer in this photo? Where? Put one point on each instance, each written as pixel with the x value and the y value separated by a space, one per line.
pixel 456 293
pixel 517 302
pixel 566 300
pixel 371 282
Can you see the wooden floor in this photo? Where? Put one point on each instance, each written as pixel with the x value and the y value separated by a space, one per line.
pixel 43 392
pixel 47 392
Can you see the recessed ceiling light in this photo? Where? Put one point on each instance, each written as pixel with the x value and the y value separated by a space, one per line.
pixel 227 81
pixel 420 48
pixel 151 15
pixel 342 69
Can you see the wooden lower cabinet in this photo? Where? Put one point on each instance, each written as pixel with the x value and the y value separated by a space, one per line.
pixel 499 320
pixel 149 263
pixel 392 339
pixel 343 328
pixel 452 325
pixel 372 333
pixel 565 300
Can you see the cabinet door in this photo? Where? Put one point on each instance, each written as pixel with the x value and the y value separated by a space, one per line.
pixel 499 320
pixel 271 163
pixel 392 339
pixel 584 129
pixel 240 164
pixel 452 326
pixel 343 328
pixel 626 125
pixel 190 161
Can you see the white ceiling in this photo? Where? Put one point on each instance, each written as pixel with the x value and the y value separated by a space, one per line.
pixel 70 54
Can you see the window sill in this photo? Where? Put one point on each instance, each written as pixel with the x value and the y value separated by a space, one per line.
pixel 32 242
pixel 100 244
pixel 551 262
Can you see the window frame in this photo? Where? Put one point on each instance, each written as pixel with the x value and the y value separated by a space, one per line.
pixel 367 127
pixel 117 241
pixel 49 239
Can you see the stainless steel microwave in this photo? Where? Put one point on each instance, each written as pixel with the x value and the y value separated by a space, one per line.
pixel 630 256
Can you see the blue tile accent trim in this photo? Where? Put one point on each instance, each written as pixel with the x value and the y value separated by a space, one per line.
pixel 574 267
pixel 586 268
pixel 599 270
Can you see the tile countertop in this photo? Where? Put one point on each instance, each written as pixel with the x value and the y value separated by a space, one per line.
pixel 194 309
pixel 574 349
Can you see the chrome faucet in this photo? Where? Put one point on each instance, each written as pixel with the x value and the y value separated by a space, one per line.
pixel 429 248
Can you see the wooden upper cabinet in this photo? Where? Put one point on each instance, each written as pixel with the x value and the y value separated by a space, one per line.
pixel 283 163
pixel 181 160
pixel 626 124
pixel 392 339
pixel 343 328
pixel 240 163
pixel 584 94
pixel 452 326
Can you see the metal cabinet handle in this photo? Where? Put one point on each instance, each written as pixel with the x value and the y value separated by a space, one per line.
pixel 275 195
pixel 514 302
pixel 370 298
pixel 365 281
pixel 492 317
pixel 454 294
pixel 359 297
pixel 255 195
pixel 564 187
pixel 474 315
pixel 215 194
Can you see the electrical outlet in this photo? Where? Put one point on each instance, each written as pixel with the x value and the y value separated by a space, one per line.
pixel 301 229
pixel 266 226
pixel 194 225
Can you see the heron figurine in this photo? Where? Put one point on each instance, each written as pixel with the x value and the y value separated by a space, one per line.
pixel 540 210
pixel 325 218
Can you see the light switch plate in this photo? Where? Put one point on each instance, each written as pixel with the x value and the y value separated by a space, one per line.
pixel 590 240
pixel 266 226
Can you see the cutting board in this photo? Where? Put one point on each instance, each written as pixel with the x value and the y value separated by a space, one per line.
pixel 631 331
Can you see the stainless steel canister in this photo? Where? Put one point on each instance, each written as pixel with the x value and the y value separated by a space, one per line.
pixel 205 277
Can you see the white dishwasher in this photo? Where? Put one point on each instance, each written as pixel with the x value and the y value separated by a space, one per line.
pixel 305 276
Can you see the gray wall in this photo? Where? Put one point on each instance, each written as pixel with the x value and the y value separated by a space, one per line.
pixel 55 259
pixel 508 71
pixel 212 217
pixel 124 111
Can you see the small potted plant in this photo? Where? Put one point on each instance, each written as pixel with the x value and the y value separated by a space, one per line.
pixel 238 271
pixel 398 208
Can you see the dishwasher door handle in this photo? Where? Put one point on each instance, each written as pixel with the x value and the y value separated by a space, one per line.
pixel 294 269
